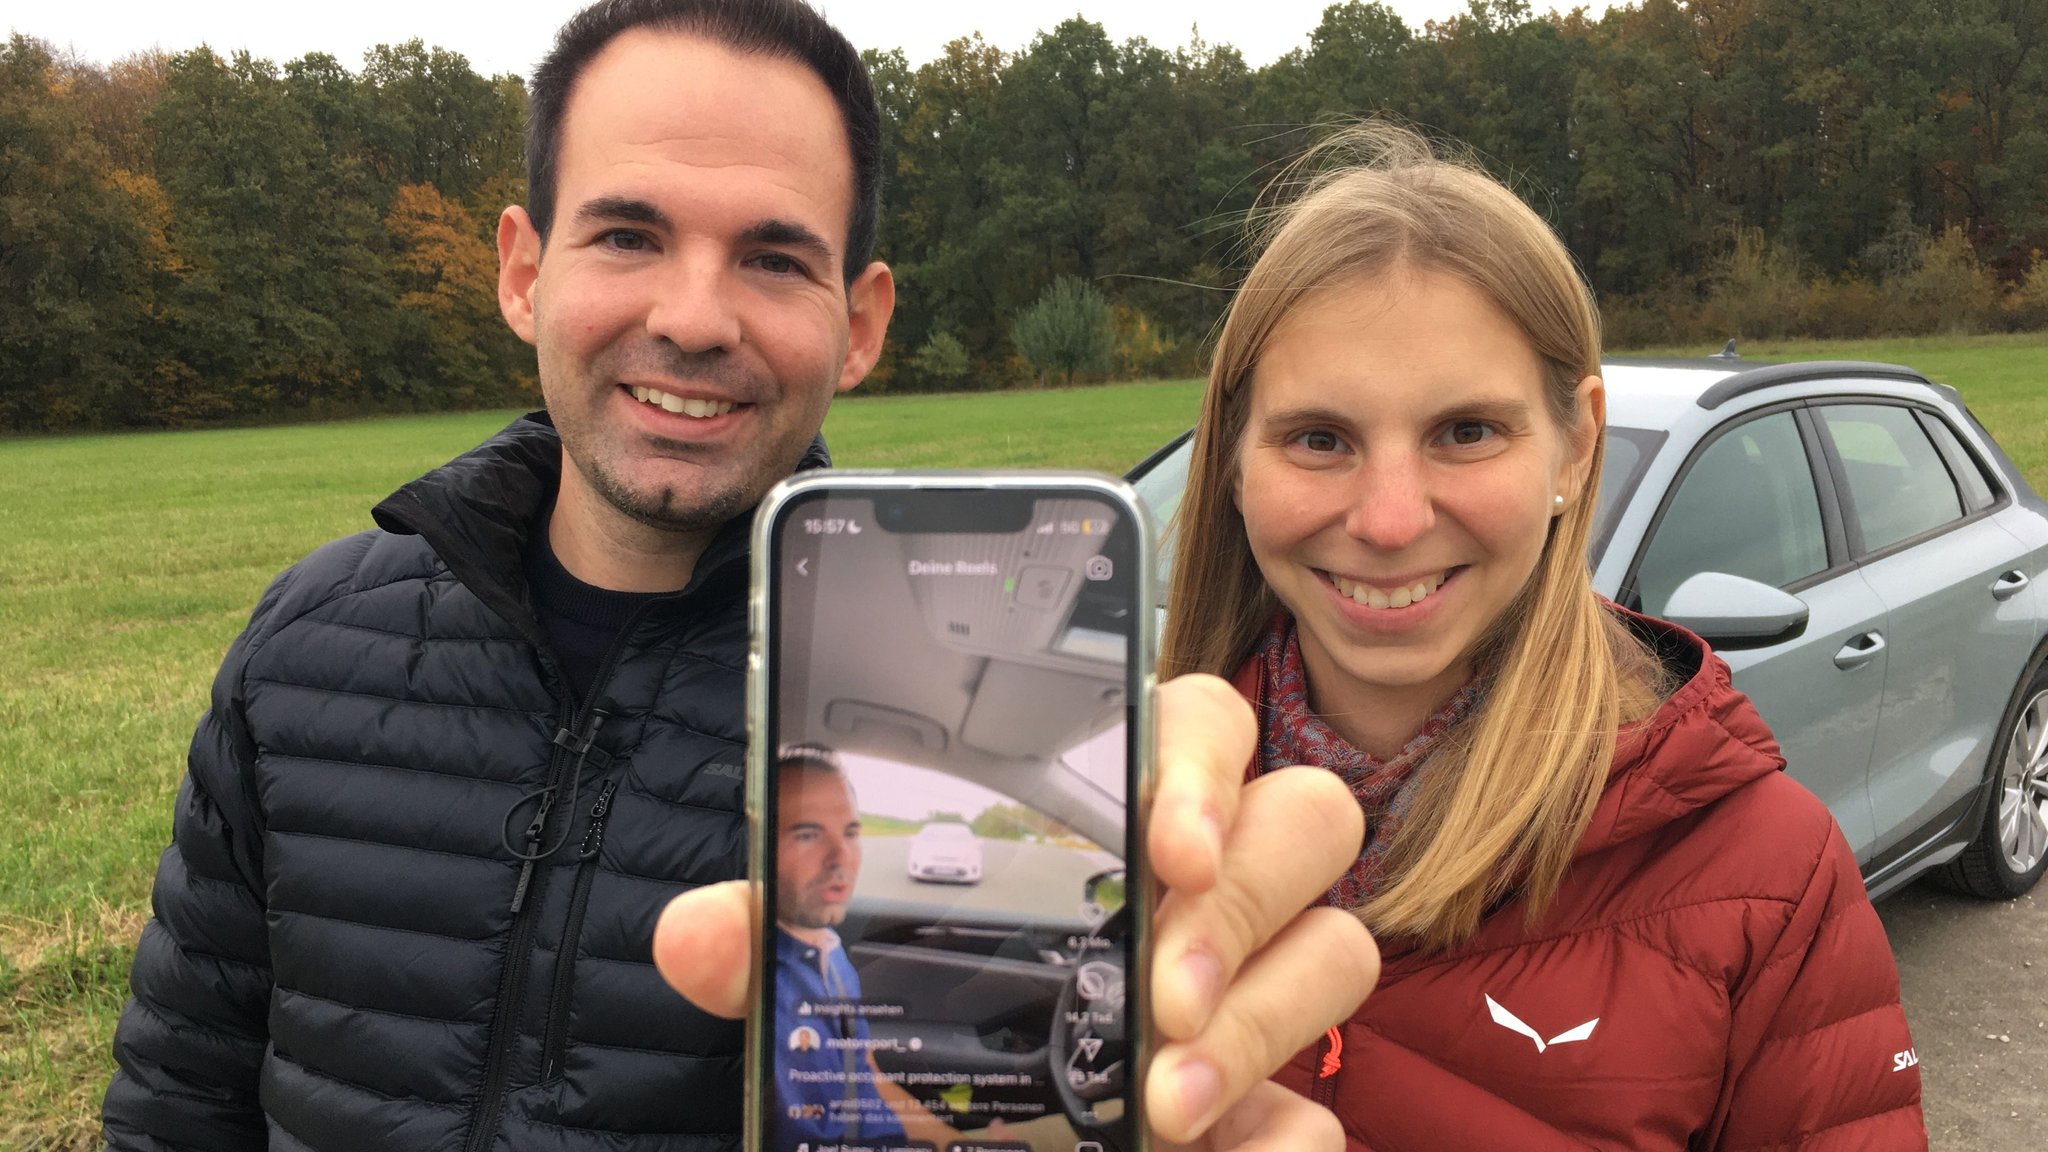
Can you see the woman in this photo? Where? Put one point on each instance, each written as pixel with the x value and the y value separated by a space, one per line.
pixel 1607 918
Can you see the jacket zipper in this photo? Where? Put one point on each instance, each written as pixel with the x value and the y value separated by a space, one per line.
pixel 557 1034
pixel 1324 1088
pixel 512 983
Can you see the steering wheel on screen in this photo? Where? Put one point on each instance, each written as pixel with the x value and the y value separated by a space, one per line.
pixel 1088 1048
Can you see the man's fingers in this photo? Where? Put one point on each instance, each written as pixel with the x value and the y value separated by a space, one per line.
pixel 1297 830
pixel 1206 740
pixel 703 946
pixel 1313 975
pixel 1271 1119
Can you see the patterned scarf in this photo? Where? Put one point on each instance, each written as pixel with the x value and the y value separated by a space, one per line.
pixel 1386 789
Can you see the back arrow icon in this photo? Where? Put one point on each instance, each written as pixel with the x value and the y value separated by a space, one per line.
pixel 803 566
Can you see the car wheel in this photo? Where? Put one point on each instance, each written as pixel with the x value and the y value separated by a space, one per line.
pixel 2011 849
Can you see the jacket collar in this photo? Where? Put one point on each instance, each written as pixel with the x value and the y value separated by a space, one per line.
pixel 1705 741
pixel 477 511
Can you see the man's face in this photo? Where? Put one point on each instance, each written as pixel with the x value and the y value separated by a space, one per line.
pixel 690 308
pixel 817 848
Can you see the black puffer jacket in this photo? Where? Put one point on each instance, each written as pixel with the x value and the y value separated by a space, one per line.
pixel 335 961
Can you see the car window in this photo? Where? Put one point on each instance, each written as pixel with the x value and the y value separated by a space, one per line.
pixel 1161 489
pixel 1896 479
pixel 1627 456
pixel 1747 507
pixel 1965 467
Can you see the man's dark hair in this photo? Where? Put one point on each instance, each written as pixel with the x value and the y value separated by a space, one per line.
pixel 790 29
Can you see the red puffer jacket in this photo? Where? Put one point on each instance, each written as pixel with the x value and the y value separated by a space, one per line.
pixel 1711 975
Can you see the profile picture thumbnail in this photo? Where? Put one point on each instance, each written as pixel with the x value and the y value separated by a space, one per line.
pixel 804 1038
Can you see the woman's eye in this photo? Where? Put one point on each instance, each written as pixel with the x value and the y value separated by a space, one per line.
pixel 1318 440
pixel 1468 432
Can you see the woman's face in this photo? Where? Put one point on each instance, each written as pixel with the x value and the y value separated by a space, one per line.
pixel 1397 479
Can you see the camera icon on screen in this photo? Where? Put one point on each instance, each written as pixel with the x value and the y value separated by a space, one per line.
pixel 1099 568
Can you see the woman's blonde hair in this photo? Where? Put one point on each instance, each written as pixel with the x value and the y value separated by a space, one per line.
pixel 1506 801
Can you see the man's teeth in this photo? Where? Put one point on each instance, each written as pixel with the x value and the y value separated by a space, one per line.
pixel 1400 597
pixel 687 406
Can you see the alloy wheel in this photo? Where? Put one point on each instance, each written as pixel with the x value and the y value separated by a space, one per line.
pixel 2023 789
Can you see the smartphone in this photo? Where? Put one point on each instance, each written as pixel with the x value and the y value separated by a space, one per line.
pixel 949 761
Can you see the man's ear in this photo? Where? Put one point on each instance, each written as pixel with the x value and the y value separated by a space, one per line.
pixel 870 301
pixel 518 269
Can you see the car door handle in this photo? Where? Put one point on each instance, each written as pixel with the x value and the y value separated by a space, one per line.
pixel 1860 651
pixel 2009 585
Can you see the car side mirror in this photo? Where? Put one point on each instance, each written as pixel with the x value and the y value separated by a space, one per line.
pixel 1103 893
pixel 1735 611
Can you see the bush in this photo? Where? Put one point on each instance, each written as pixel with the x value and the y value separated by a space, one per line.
pixel 1070 329
pixel 1848 308
pixel 1144 350
pixel 1758 289
pixel 2028 307
pixel 1948 290
pixel 941 360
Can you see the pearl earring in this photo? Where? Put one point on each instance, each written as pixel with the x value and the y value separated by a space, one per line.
pixel 1558 500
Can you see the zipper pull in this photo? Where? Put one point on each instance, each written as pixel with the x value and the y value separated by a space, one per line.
pixel 532 855
pixel 525 878
pixel 593 840
pixel 581 744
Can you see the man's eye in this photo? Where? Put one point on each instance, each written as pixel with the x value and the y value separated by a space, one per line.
pixel 1468 432
pixel 624 241
pixel 780 265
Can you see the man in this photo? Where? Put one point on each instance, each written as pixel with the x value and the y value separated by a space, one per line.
pixel 817 864
pixel 455 766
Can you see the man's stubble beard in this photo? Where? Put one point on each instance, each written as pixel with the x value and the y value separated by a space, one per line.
pixel 663 508
pixel 659 509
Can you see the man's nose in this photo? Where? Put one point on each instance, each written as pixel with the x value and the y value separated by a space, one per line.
pixel 695 303
pixel 1391 502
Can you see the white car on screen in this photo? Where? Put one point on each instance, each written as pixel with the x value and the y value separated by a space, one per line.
pixel 945 852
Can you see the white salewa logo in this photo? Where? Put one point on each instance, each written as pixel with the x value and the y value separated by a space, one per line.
pixel 1512 1023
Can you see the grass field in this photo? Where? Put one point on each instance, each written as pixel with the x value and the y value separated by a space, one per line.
pixel 132 560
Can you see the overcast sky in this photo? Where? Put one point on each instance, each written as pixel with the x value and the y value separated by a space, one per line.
pixel 509 35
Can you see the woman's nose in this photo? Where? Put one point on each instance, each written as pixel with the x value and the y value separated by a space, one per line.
pixel 1391 506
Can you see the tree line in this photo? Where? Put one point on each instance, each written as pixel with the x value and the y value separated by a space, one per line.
pixel 193 238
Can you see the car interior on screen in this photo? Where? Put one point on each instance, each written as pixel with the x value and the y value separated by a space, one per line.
pixel 973 687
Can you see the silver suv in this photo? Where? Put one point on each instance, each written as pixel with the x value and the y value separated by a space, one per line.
pixel 1864 556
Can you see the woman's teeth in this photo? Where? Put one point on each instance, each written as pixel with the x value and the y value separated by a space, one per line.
pixel 1400 597
pixel 687 406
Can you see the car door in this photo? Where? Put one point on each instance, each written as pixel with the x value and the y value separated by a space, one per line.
pixel 1920 523
pixel 1751 502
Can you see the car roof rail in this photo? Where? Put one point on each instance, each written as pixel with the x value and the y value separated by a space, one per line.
pixel 1766 376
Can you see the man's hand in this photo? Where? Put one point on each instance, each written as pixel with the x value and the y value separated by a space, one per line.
pixel 1242 977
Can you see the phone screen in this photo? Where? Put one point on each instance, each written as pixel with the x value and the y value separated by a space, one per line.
pixel 948 822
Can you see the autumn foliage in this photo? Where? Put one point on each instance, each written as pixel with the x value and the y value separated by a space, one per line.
pixel 193 238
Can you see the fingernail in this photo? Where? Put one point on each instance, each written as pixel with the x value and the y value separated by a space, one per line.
pixel 1201 1086
pixel 1202 972
pixel 1212 834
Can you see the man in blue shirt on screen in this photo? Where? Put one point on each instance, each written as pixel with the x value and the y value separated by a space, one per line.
pixel 827 1092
